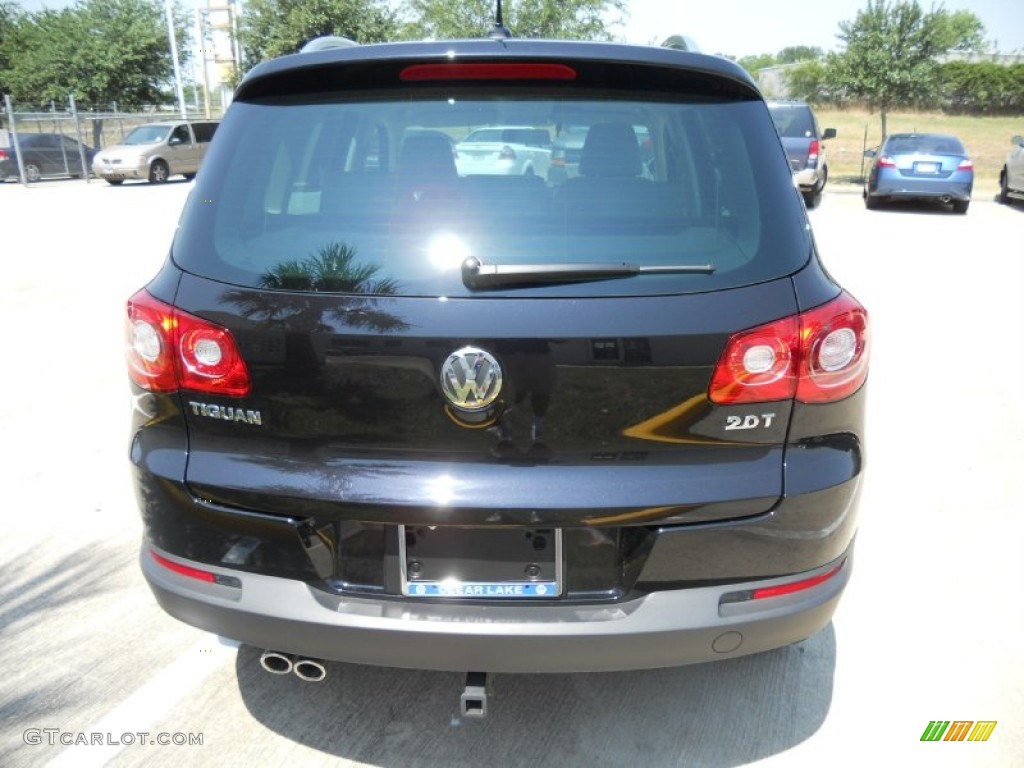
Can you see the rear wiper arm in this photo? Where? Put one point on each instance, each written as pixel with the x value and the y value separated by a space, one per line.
pixel 476 275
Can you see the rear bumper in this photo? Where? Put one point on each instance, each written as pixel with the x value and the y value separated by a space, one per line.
pixel 808 178
pixel 954 188
pixel 660 629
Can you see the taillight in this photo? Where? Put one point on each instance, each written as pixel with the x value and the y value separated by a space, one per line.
pixel 886 162
pixel 168 349
pixel 3 154
pixel 507 153
pixel 813 151
pixel 817 356
pixel 965 165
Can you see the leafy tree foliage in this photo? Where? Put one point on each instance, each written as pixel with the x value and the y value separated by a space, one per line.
pixel 890 53
pixel 561 19
pixel 795 53
pixel 961 31
pixel 270 28
pixel 101 51
pixel 10 20
pixel 758 61
pixel 806 80
pixel 790 55
pixel 981 88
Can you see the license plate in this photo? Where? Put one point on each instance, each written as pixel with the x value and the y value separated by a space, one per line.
pixel 476 563
pixel 926 167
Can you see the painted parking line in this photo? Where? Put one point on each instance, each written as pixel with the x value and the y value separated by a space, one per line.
pixel 131 723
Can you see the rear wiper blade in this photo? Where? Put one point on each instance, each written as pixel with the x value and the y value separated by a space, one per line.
pixel 477 275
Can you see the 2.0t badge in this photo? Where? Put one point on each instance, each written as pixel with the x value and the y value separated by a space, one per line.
pixel 471 379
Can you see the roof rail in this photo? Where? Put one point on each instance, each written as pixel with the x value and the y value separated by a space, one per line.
pixel 326 43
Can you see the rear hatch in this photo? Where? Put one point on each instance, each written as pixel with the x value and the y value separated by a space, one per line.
pixel 549 381
pixel 796 128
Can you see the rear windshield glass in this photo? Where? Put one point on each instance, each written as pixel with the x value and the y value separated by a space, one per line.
pixel 392 195
pixel 924 144
pixel 793 122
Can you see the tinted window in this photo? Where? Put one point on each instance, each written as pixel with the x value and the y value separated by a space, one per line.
pixel 147 134
pixel 371 187
pixel 793 122
pixel 204 131
pixel 181 134
pixel 939 145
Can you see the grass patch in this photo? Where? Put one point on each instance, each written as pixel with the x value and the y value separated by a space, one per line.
pixel 987 139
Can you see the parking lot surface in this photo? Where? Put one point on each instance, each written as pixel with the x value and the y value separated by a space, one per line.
pixel 930 627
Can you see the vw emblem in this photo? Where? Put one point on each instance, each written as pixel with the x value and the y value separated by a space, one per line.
pixel 471 378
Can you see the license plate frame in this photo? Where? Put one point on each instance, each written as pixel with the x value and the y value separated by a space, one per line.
pixel 436 563
pixel 927 168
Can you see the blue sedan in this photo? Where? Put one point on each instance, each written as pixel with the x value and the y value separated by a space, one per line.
pixel 931 166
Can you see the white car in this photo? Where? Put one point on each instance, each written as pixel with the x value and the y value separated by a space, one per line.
pixel 504 151
pixel 1011 178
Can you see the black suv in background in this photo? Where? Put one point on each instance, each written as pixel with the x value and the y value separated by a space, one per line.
pixel 388 414
pixel 804 142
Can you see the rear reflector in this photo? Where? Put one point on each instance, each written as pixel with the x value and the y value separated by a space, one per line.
pixel 184 570
pixel 779 590
pixel 194 573
pixel 795 586
pixel 487 71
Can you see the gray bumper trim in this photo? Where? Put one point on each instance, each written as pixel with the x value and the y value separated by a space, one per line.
pixel 656 630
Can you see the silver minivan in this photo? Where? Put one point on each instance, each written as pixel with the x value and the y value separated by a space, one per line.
pixel 156 151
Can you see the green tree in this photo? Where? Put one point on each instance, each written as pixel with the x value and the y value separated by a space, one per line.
pixel 270 28
pixel 759 61
pixel 101 51
pixel 791 55
pixel 890 54
pixel 961 31
pixel 796 53
pixel 11 19
pixel 805 81
pixel 557 19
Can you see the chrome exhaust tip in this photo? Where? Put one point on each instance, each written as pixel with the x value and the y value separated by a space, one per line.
pixel 310 670
pixel 276 663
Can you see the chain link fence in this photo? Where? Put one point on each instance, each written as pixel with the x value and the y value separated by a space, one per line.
pixel 52 144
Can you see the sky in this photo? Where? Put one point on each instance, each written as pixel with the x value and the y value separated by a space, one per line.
pixel 749 27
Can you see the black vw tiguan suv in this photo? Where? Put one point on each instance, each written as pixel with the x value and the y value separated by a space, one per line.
pixel 388 414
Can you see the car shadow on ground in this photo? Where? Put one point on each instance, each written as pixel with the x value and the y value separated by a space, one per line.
pixel 1012 204
pixel 129 183
pixel 916 207
pixel 721 714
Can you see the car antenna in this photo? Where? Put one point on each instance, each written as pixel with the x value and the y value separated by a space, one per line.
pixel 499 31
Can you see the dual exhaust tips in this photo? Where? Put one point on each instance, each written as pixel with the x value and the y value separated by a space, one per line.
pixel 473 702
pixel 277 663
